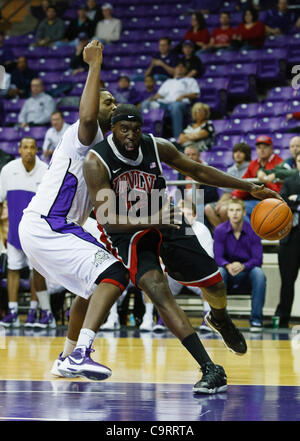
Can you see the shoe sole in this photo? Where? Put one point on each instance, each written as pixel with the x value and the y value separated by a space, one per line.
pixel 254 329
pixel 219 333
pixel 216 390
pixel 96 376
pixel 159 328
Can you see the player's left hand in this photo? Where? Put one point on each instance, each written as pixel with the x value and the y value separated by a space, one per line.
pixel 261 192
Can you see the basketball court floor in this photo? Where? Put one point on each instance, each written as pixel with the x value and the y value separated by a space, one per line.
pixel 152 379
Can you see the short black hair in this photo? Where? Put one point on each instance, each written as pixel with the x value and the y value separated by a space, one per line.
pixel 253 12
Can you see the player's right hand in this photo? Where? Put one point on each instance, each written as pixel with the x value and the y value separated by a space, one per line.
pixel 92 53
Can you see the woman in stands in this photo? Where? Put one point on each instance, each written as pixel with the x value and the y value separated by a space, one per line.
pixel 251 33
pixel 198 32
pixel 201 132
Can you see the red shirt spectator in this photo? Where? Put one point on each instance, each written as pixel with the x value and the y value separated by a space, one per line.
pixel 251 31
pixel 198 32
pixel 266 159
pixel 222 36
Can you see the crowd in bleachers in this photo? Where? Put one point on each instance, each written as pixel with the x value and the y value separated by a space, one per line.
pixel 211 74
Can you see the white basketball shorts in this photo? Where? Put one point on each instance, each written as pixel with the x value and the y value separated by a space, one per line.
pixel 64 252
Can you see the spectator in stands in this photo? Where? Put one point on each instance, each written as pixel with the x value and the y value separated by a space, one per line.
pixel 193 63
pixel 163 63
pixel 93 12
pixel 81 24
pixel 77 62
pixel 198 32
pixel 19 180
pixel 238 252
pixel 288 255
pixel 251 33
pixel 210 193
pixel 37 109
pixel 176 95
pixel 51 29
pixel 7 57
pixel 201 132
pixel 280 20
pixel 40 12
pixel 266 158
pixel 109 29
pixel 149 91
pixel 222 36
pixel 125 93
pixel 216 212
pixel 286 168
pixel 54 134
pixel 21 78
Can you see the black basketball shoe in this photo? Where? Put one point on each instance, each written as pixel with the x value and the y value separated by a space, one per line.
pixel 233 339
pixel 213 380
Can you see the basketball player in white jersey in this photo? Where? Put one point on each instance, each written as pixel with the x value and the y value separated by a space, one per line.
pixel 52 236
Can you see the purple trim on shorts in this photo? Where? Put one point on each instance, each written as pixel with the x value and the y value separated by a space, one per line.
pixel 17 201
pixel 60 225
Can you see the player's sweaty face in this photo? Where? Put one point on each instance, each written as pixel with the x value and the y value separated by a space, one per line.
pixel 106 107
pixel 127 137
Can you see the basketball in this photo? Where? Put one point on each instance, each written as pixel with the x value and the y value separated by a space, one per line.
pixel 272 219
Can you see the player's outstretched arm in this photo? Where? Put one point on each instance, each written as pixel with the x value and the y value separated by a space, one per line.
pixel 208 175
pixel 89 103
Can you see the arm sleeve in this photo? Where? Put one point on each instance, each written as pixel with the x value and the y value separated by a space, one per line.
pixel 219 248
pixel 256 253
pixel 22 114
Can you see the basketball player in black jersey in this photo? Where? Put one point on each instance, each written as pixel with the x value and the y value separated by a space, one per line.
pixel 129 161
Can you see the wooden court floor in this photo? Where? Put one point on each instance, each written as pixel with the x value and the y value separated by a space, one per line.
pixel 152 379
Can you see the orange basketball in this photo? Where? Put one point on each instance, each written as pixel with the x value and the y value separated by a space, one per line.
pixel 271 219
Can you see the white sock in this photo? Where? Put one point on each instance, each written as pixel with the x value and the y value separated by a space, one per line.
pixel 33 304
pixel 86 338
pixel 13 306
pixel 44 300
pixel 206 306
pixel 69 347
pixel 149 311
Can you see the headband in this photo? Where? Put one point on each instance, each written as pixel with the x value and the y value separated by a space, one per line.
pixel 126 117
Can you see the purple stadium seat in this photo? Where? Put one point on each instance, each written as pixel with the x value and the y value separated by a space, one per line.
pixel 280 94
pixel 10 147
pixel 249 110
pixel 68 77
pixel 153 120
pixel 223 57
pixel 243 86
pixel 266 125
pixel 133 36
pixel 271 109
pixel 61 51
pixel 11 118
pixel 282 140
pixel 13 105
pixel 226 142
pixel 217 70
pixel 45 65
pixel 37 132
pixel 213 91
pixel 20 40
pixel 239 126
pixel 148 47
pixel 293 106
pixel 70 117
pixel 158 22
pixel 288 126
pixel 220 126
pixel 272 70
pixel 9 134
pixel 37 52
pixel 220 157
pixel 278 41
pixel 136 23
pixel 50 78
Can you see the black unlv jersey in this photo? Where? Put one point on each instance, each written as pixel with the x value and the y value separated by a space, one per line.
pixel 133 181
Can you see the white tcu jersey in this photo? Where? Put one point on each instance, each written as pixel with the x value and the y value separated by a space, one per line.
pixel 63 192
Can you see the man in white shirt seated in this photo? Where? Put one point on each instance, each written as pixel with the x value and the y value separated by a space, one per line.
pixel 54 134
pixel 37 109
pixel 109 29
pixel 176 95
